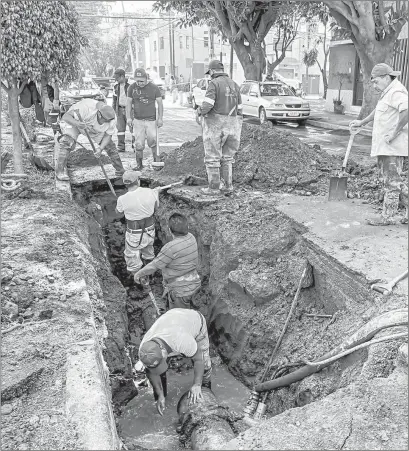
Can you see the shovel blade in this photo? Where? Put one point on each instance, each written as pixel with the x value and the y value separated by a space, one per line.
pixel 338 188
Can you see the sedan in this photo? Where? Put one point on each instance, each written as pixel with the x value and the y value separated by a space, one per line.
pixel 84 88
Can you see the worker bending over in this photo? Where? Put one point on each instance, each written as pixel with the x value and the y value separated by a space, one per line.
pixel 138 205
pixel 178 261
pixel 100 122
pixel 178 331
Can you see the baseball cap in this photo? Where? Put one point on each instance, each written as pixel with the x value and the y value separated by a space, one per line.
pixel 130 177
pixel 150 354
pixel 383 69
pixel 119 72
pixel 107 112
pixel 140 73
pixel 215 65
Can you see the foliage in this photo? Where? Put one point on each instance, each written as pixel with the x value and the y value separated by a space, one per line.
pixel 342 77
pixel 38 37
pixel 310 57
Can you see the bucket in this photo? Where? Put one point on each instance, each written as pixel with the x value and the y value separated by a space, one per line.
pixel 157 166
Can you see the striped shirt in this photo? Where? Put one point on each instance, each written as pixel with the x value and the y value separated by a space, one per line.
pixel 178 261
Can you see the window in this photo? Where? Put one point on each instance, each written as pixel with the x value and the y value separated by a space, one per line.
pixel 154 46
pixel 206 41
pixel 187 42
pixel 162 42
pixel 181 42
pixel 254 89
pixel 245 88
pixel 275 90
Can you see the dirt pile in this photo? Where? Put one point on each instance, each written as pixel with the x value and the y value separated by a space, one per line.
pixel 267 159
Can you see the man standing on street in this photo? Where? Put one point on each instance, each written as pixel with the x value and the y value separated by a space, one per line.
pixel 119 99
pixel 99 119
pixel 178 261
pixel 138 205
pixel 220 111
pixel 144 95
pixel 389 140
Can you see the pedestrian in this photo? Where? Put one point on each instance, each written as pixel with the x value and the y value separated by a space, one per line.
pixel 50 95
pixel 221 120
pixel 138 205
pixel 143 96
pixel 179 331
pixel 29 97
pixel 173 88
pixel 389 140
pixel 99 119
pixel 178 260
pixel 119 99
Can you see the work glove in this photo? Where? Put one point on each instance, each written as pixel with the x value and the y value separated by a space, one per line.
pixel 130 123
pixel 98 151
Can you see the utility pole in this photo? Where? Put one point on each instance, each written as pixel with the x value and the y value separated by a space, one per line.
pixel 129 39
pixel 193 60
pixel 136 46
pixel 173 50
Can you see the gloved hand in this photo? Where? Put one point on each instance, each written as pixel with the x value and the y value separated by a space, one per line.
pixel 130 123
pixel 98 151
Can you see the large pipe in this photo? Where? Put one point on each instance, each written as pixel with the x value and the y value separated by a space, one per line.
pixel 206 424
pixel 389 319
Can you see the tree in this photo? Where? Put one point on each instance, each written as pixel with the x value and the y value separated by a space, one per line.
pixel 37 37
pixel 324 18
pixel 309 59
pixel 373 27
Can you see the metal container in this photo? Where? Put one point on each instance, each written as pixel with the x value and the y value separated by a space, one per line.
pixel 252 404
pixel 260 411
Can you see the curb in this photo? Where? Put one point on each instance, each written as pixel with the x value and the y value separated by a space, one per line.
pixel 331 126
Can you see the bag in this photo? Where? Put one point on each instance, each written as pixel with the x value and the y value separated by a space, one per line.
pixel 26 98
pixel 39 112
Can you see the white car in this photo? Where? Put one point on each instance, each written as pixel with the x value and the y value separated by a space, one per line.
pixel 199 92
pixel 274 101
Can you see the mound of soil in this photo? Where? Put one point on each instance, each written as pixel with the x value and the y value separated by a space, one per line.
pixel 267 159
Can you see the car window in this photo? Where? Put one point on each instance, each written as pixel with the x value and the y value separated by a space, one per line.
pixel 254 89
pixel 275 90
pixel 245 88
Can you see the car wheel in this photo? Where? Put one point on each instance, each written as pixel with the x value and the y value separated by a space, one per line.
pixel 262 115
pixel 302 122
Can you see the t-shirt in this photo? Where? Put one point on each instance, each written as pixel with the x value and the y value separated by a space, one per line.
pixel 144 99
pixel 122 95
pixel 138 204
pixel 88 111
pixel 178 328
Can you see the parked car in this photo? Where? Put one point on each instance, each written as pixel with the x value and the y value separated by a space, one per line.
pixel 84 88
pixel 274 101
pixel 199 92
pixel 105 83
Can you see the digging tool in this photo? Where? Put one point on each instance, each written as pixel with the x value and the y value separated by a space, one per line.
pixel 145 283
pixel 386 288
pixel 99 160
pixel 38 162
pixel 162 188
pixel 157 165
pixel 338 184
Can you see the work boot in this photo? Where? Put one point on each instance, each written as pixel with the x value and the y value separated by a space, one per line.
pixel 61 172
pixel 121 143
pixel 139 165
pixel 213 175
pixel 115 160
pixel 227 177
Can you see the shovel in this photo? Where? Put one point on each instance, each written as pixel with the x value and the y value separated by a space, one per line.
pixel 386 288
pixel 38 162
pixel 157 165
pixel 338 184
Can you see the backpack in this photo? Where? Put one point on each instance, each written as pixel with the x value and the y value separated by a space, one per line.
pixel 29 96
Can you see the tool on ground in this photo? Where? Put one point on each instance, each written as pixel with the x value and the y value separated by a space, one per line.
pixel 145 283
pixel 99 159
pixel 157 165
pixel 162 188
pixel 338 184
pixel 38 162
pixel 386 288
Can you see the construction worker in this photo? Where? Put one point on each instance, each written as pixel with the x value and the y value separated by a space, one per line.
pixel 143 95
pixel 221 123
pixel 389 140
pixel 119 98
pixel 178 331
pixel 99 120
pixel 138 205
pixel 178 261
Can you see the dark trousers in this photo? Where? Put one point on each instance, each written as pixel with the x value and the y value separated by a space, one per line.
pixel 121 127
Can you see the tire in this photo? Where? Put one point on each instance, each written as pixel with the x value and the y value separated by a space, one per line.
pixel 302 122
pixel 262 115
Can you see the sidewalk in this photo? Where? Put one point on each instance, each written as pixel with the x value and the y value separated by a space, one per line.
pixel 332 121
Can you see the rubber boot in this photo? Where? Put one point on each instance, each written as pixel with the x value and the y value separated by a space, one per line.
pixel 121 143
pixel 155 153
pixel 139 165
pixel 115 160
pixel 227 176
pixel 61 166
pixel 213 175
pixel 389 212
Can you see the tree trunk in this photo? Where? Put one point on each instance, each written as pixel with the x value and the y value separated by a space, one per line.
pixel 370 54
pixel 15 127
pixel 324 81
pixel 251 58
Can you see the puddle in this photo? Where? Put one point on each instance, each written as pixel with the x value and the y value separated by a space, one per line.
pixel 141 425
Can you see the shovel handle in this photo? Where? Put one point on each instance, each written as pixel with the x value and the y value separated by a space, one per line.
pixel 351 140
pixel 398 278
pixel 170 186
pixel 157 140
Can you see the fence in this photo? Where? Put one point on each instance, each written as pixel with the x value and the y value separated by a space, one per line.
pixel 400 60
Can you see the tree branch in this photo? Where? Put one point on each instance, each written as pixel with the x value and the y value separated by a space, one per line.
pixel 4 86
pixel 340 7
pixel 382 13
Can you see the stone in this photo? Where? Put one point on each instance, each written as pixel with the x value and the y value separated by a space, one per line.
pixel 6 275
pixel 24 446
pixel 45 314
pixel 291 180
pixel 6 409
pixel 34 420
pixel 403 354
pixel 28 314
pixel 10 309
pixel 384 436
pixel 63 297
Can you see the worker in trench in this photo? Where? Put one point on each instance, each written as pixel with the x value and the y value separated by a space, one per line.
pixel 178 260
pixel 100 122
pixel 138 205
pixel 177 332
pixel 220 117
pixel 389 140
pixel 143 95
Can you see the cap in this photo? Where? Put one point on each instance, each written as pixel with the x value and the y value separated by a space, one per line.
pixel 383 69
pixel 215 65
pixel 150 354
pixel 140 73
pixel 107 112
pixel 130 177
pixel 119 72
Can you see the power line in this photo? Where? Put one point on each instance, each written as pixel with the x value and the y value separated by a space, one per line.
pixel 127 17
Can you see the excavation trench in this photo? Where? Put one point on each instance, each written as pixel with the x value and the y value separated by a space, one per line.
pixel 251 258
